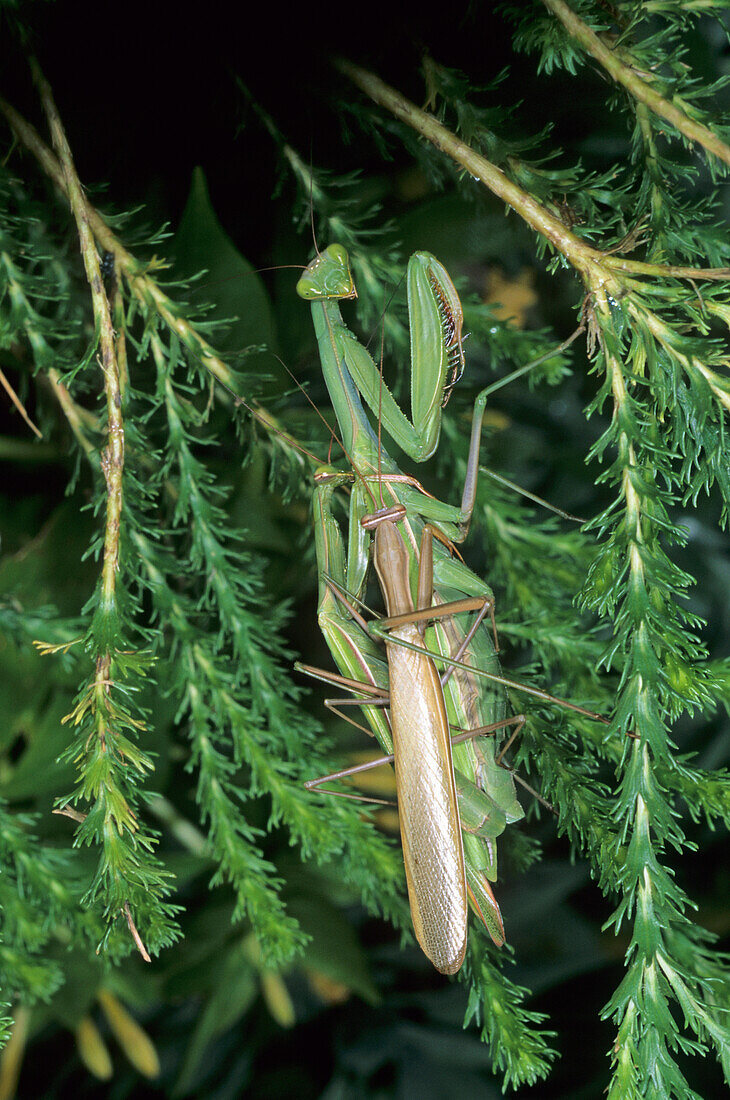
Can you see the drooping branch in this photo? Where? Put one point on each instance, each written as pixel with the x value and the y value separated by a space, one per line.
pixel 636 83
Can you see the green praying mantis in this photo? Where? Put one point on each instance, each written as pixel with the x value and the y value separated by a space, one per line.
pixel 455 796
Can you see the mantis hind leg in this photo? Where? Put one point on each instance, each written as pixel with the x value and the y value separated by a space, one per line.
pixel 377 762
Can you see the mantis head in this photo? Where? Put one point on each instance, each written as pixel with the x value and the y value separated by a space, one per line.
pixel 328 276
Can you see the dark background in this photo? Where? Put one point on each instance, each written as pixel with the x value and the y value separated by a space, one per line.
pixel 153 94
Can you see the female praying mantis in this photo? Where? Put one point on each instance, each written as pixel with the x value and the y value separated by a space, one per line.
pixel 451 808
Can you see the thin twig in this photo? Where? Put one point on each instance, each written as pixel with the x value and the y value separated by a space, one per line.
pixel 73 412
pixel 630 79
pixel 19 404
pixel 68 811
pixel 112 458
pixel 141 285
pixel 135 934
pixel 594 265
pixel 533 212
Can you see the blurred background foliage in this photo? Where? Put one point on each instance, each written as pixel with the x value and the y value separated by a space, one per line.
pixel 322 996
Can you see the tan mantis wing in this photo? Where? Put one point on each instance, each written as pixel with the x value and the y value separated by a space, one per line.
pixel 433 852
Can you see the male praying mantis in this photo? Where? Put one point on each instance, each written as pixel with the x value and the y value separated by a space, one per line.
pixel 450 812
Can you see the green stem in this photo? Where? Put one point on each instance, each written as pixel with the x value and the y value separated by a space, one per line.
pixel 141 285
pixel 580 255
pixel 112 459
pixel 629 78
pixel 595 266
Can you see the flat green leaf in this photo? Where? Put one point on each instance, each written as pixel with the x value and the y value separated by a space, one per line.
pixel 230 284
pixel 232 997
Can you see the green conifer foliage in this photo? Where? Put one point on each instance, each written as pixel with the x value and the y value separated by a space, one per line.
pixel 147 625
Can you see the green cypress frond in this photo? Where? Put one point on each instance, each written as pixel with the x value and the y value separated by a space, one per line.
pixel 184 562
pixel 38 897
pixel 665 375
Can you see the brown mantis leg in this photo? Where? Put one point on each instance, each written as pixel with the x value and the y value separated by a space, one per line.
pixel 425 612
pixel 424 599
pixel 467 735
pixel 517 720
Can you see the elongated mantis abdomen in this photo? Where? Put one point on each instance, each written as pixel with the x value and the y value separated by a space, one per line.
pixel 429 818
